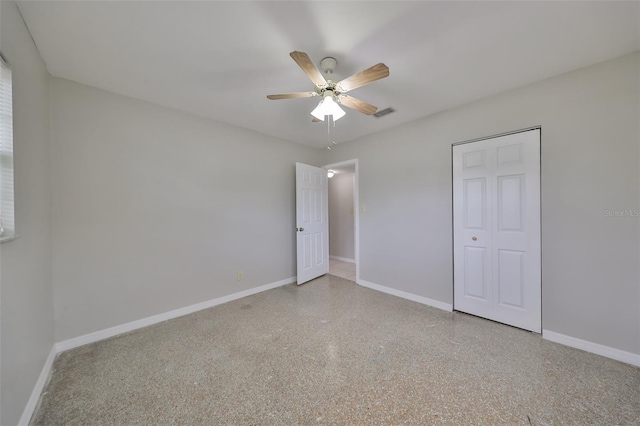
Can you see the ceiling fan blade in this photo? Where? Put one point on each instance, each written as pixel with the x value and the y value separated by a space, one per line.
pixel 309 68
pixel 315 120
pixel 357 104
pixel 292 95
pixel 367 76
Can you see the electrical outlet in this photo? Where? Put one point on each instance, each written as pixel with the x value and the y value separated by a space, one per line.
pixel 240 276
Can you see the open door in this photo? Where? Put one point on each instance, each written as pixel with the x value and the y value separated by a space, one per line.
pixel 312 225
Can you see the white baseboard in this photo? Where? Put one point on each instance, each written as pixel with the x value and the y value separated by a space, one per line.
pixel 37 389
pixel 144 322
pixel 344 259
pixel 130 326
pixel 410 296
pixel 598 349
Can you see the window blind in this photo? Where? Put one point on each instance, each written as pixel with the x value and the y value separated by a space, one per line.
pixel 6 151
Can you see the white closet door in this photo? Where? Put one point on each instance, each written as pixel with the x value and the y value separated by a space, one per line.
pixel 496 214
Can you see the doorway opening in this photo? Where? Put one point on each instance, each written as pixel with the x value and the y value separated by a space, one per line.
pixel 343 220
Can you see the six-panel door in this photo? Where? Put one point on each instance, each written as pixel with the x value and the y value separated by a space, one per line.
pixel 312 226
pixel 497 259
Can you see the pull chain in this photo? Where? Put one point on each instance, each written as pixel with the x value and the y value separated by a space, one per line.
pixel 331 123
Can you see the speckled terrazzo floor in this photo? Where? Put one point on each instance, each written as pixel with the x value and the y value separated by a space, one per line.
pixel 332 352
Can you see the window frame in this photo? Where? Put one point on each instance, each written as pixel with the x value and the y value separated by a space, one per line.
pixel 7 171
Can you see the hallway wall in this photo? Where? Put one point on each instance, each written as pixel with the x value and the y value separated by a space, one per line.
pixel 341 217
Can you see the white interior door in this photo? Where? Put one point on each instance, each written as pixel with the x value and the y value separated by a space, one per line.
pixel 312 224
pixel 496 214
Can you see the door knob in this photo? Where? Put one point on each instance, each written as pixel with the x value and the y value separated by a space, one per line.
pixel 300 229
pixel 474 238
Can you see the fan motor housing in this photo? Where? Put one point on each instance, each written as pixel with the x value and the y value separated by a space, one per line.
pixel 328 65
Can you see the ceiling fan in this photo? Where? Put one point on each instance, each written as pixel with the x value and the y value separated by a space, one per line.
pixel 334 93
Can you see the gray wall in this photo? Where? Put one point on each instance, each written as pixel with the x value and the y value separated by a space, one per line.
pixel 590 163
pixel 25 267
pixel 341 218
pixel 155 209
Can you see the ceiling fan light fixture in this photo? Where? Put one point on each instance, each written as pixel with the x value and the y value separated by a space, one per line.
pixel 334 109
pixel 328 106
pixel 318 112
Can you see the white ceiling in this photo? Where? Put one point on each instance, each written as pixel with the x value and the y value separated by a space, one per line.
pixel 220 59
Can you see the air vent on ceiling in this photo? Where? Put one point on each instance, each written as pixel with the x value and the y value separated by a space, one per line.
pixel 384 112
